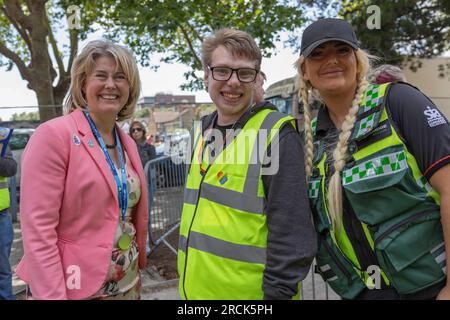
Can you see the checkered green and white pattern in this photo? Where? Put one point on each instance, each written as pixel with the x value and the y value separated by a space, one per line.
pixel 423 183
pixel 438 253
pixel 366 124
pixel 377 167
pixel 372 98
pixel 314 125
pixel 314 187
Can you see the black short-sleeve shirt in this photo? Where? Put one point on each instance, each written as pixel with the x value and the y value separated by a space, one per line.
pixel 421 125
pixel 424 128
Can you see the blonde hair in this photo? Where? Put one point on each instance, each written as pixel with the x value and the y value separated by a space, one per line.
pixel 83 65
pixel 238 42
pixel 340 152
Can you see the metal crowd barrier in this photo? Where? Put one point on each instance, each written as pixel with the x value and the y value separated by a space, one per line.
pixel 165 180
pixel 314 288
pixel 13 198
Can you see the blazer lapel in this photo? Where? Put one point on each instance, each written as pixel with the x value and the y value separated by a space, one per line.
pixel 90 144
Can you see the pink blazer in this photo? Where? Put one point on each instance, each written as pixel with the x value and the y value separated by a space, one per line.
pixel 69 210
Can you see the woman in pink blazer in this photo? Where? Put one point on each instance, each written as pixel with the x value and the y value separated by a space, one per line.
pixel 83 190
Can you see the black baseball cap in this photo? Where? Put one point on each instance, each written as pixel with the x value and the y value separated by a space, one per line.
pixel 325 30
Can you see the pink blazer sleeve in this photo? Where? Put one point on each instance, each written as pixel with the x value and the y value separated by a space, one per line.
pixel 44 166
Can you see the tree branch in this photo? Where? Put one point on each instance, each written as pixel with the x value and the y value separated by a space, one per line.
pixel 15 11
pixel 54 45
pixel 191 48
pixel 73 48
pixel 196 34
pixel 24 72
pixel 20 30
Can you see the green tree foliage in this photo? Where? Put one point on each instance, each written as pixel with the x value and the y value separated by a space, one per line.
pixel 29 32
pixel 25 116
pixel 408 28
pixel 28 40
pixel 177 28
pixel 143 113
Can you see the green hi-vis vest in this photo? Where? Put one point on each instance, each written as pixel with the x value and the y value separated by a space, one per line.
pixel 4 194
pixel 398 209
pixel 223 232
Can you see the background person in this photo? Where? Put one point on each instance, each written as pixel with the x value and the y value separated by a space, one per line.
pixel 8 168
pixel 377 165
pixel 83 192
pixel 386 73
pixel 258 96
pixel 146 150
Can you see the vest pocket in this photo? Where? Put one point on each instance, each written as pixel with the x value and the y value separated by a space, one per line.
pixel 336 270
pixel 321 221
pixel 382 187
pixel 411 251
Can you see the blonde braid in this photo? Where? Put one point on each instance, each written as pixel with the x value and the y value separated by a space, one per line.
pixel 309 143
pixel 340 156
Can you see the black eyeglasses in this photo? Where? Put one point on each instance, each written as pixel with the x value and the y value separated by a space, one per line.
pixel 245 75
pixel 136 129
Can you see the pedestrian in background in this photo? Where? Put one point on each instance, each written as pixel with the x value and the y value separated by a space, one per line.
pixel 258 96
pixel 386 73
pixel 8 168
pixel 146 150
pixel 83 191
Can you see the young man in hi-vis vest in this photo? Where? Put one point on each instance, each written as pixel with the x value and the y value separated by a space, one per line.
pixel 246 229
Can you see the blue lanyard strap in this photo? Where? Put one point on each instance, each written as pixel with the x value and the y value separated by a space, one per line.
pixel 121 187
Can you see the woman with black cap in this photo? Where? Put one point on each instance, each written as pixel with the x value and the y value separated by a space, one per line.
pixel 377 165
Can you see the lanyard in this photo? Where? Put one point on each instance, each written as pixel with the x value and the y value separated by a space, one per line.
pixel 204 144
pixel 121 187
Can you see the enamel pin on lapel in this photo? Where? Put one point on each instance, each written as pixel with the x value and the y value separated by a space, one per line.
pixel 76 140
pixel 90 143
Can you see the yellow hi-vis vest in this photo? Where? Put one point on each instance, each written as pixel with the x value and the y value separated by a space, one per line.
pixel 4 194
pixel 223 232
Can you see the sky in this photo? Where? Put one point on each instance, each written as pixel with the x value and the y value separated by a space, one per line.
pixel 168 78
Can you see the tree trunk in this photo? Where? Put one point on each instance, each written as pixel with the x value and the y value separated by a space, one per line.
pixel 42 71
pixel 46 102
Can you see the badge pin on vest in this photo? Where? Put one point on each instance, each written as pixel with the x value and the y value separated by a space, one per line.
pixel 222 177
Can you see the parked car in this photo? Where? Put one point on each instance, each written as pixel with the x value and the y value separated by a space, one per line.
pixel 19 140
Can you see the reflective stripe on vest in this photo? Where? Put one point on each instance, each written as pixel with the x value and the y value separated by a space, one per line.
pixel 250 254
pixel 376 167
pixel 4 194
pixel 233 199
pixel 223 231
pixel 386 157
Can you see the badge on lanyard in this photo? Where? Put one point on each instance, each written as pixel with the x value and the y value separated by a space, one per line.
pixel 122 188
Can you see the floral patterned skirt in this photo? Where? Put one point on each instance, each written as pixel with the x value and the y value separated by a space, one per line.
pixel 123 281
